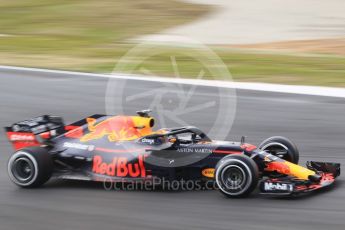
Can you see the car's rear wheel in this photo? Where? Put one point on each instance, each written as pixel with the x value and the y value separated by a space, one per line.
pixel 30 167
pixel 282 148
pixel 236 176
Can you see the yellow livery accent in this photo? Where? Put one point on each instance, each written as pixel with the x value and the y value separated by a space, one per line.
pixel 208 172
pixel 299 171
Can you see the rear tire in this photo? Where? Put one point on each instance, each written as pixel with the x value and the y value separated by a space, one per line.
pixel 236 176
pixel 30 167
pixel 282 148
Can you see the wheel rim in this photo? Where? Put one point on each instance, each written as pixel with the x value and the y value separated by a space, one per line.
pixel 277 149
pixel 23 169
pixel 247 181
pixel 233 178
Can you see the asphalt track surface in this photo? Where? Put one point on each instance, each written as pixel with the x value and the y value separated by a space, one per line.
pixel 316 124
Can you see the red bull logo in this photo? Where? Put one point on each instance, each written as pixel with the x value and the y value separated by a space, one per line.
pixel 118 128
pixel 289 168
pixel 279 167
pixel 119 167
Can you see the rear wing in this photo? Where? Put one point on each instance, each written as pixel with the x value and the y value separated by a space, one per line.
pixel 34 132
pixel 40 130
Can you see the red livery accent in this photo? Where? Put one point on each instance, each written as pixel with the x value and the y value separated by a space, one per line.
pixel 227 152
pixel 119 167
pixel 74 131
pixel 248 147
pixel 327 178
pixel 45 135
pixel 301 187
pixel 21 140
pixel 279 167
pixel 20 145
pixel 19 136
pixel 120 150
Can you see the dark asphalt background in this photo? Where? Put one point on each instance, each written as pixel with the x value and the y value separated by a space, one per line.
pixel 316 124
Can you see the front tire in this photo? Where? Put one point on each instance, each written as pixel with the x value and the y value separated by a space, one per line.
pixel 236 176
pixel 282 148
pixel 30 167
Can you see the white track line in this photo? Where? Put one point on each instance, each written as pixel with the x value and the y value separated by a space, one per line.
pixel 293 89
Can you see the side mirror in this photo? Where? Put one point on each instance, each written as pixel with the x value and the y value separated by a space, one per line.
pixel 243 140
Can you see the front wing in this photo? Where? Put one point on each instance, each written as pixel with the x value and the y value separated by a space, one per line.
pixel 292 186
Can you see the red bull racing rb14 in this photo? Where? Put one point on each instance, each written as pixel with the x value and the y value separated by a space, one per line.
pixel 126 148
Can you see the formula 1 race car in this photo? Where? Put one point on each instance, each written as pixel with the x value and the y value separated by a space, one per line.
pixel 102 147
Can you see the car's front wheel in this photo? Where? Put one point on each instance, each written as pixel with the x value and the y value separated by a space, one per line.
pixel 30 167
pixel 236 176
pixel 281 147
